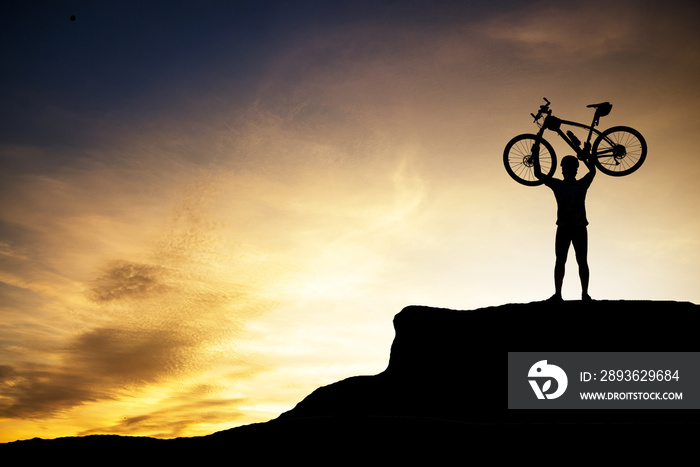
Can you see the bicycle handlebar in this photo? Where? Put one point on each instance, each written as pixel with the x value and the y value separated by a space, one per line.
pixel 543 109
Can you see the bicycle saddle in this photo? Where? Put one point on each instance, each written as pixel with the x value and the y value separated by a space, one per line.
pixel 602 109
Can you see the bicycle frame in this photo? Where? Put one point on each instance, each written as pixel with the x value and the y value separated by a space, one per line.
pixel 616 151
pixel 553 123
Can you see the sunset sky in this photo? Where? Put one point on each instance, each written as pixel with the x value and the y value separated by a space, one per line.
pixel 209 209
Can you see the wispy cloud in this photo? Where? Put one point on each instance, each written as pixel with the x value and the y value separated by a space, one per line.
pixel 126 280
pixel 138 323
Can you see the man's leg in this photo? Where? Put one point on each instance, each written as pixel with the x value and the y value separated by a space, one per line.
pixel 561 250
pixel 580 241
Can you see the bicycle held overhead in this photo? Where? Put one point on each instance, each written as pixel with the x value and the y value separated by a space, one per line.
pixel 617 151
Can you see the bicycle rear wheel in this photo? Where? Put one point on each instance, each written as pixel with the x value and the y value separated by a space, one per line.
pixel 619 151
pixel 517 158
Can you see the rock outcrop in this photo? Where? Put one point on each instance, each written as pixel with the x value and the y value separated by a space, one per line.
pixel 442 395
pixel 452 365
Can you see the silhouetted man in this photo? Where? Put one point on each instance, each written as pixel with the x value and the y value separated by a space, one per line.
pixel 571 219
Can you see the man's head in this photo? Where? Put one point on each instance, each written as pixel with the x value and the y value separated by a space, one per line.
pixel 569 166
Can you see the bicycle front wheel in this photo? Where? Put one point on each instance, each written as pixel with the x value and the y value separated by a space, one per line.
pixel 619 151
pixel 517 157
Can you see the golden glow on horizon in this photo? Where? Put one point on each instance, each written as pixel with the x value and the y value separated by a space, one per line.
pixel 212 268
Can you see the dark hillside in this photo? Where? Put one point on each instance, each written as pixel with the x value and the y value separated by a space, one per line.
pixel 451 364
pixel 443 392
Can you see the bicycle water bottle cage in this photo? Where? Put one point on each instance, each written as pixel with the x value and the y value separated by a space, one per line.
pixel 573 138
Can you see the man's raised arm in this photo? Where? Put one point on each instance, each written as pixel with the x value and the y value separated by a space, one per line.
pixel 536 162
pixel 589 165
